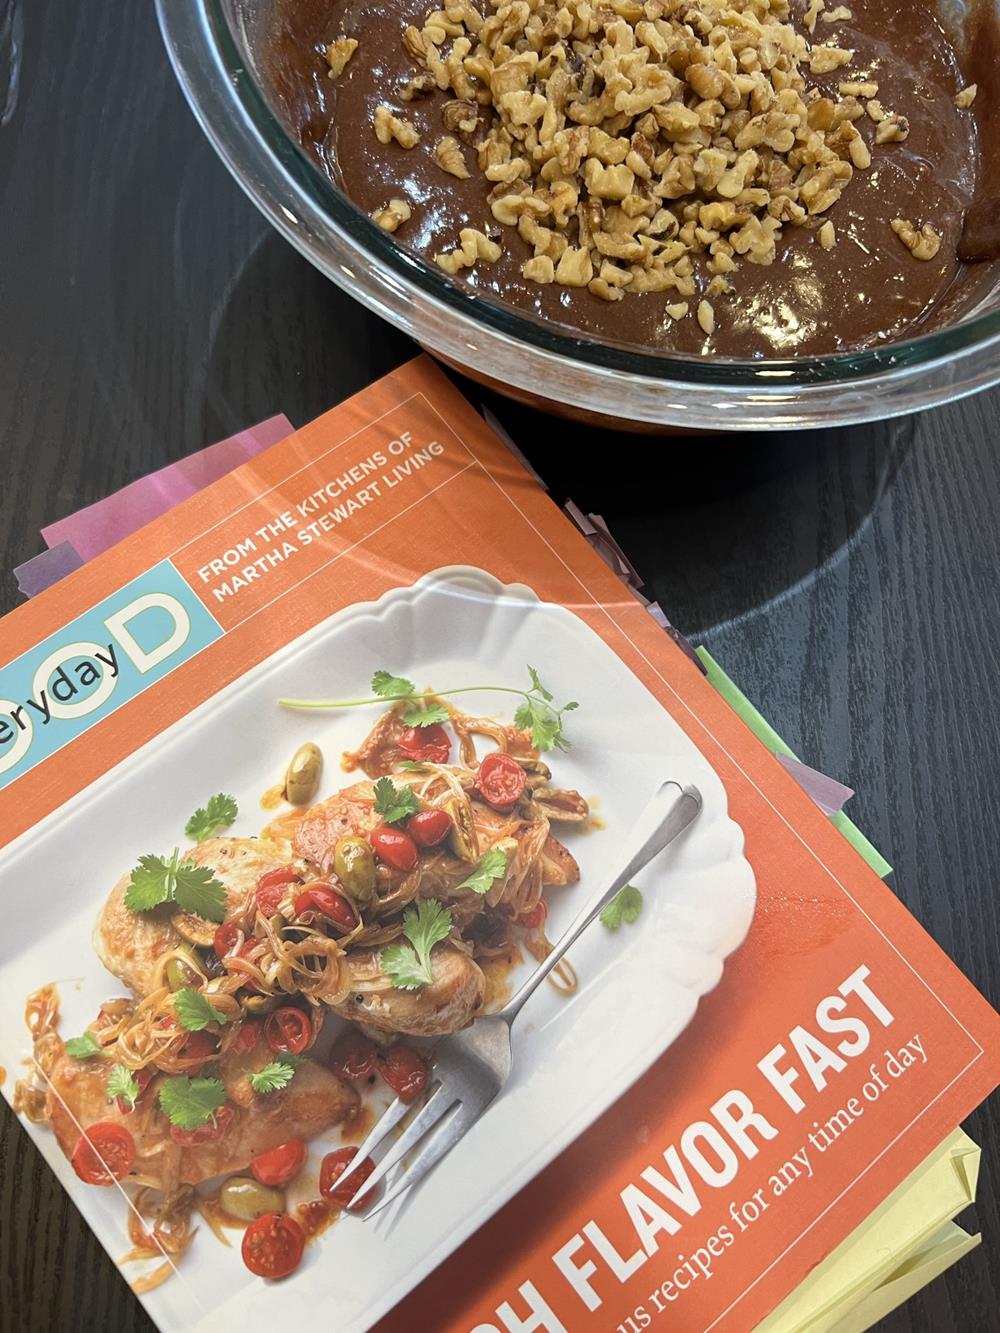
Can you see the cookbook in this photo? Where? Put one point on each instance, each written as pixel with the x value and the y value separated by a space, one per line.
pixel 322 763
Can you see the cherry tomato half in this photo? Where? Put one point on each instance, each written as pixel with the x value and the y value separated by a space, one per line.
pixel 212 1130
pixel 273 1245
pixel 333 1167
pixel 429 827
pixel 247 1037
pixel 319 896
pixel 534 917
pixel 271 888
pixel 426 744
pixel 278 1165
pixel 404 1070
pixel 353 1056
pixel 226 939
pixel 104 1153
pixel 288 1030
pixel 394 847
pixel 501 780
pixel 143 1077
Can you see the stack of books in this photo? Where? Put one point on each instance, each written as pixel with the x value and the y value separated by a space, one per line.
pixel 333 733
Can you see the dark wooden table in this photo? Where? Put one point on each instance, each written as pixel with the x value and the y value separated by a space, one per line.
pixel 847 579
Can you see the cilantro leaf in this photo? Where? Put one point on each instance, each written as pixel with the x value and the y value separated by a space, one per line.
pixel 122 1083
pixel 151 884
pixel 624 906
pixel 413 766
pixel 189 1103
pixel 387 686
pixel 194 1011
pixel 409 965
pixel 426 717
pixel 275 1076
pixel 491 867
pixel 194 888
pixel 218 813
pixel 394 803
pixel 83 1048
pixel 197 890
pixel 537 685
pixel 545 727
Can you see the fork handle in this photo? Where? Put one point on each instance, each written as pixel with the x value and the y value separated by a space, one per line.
pixel 663 819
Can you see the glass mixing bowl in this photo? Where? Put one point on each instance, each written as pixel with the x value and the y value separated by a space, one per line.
pixel 215 47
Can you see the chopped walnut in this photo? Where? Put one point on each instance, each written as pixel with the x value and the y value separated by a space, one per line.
pixel 475 245
pixel 967 96
pixel 540 269
pixel 706 317
pixel 860 153
pixel 816 7
pixel 823 59
pixel 460 117
pixel 893 129
pixel 419 86
pixel 922 244
pixel 393 215
pixel 678 310
pixel 827 235
pixel 338 54
pixel 389 127
pixel 448 155
pixel 625 141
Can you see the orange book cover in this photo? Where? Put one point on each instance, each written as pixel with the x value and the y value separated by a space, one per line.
pixel 734 1069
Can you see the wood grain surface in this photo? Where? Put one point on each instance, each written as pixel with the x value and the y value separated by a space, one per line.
pixel 847 579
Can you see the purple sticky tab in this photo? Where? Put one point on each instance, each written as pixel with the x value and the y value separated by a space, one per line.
pixel 598 534
pixel 830 795
pixel 39 573
pixel 93 529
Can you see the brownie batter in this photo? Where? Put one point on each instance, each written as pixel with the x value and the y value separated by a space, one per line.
pixel 867 290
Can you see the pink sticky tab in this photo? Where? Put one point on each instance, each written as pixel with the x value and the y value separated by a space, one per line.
pixel 92 530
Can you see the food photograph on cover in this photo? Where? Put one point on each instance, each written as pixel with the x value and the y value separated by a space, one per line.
pixel 499 772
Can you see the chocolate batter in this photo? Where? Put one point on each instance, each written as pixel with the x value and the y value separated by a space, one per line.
pixel 866 291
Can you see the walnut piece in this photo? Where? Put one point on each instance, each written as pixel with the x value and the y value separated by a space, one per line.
pixel 448 155
pixel 419 86
pixel 706 317
pixel 892 129
pixel 827 235
pixel 338 53
pixel 967 96
pixel 389 126
pixel 474 245
pixel 393 215
pixel 922 244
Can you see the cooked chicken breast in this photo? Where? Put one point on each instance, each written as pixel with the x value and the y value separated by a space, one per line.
pixel 130 944
pixel 450 1002
pixel 315 1100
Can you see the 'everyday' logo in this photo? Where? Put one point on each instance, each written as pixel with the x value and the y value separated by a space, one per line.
pixel 105 657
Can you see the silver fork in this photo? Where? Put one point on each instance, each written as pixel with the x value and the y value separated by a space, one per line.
pixel 472 1066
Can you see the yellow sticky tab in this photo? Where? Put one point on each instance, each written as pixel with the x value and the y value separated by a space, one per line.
pixel 897 1250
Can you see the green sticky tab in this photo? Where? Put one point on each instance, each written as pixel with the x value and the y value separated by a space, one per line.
pixel 767 735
